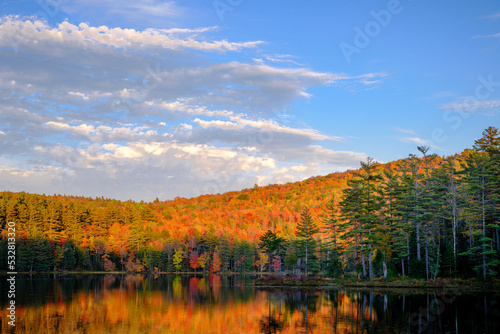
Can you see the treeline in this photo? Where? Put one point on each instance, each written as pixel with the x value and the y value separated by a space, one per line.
pixel 72 233
pixel 422 217
pixel 425 217
pixel 198 234
pixel 216 233
pixel 429 217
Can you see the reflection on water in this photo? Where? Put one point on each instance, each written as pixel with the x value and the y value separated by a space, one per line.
pixel 222 304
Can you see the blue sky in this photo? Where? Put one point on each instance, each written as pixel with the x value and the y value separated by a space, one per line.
pixel 148 98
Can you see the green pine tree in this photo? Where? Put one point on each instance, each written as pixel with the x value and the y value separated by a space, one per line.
pixel 307 244
pixel 68 260
pixel 43 254
pixel 333 263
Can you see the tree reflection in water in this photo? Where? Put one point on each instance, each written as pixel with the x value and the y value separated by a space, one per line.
pixel 231 304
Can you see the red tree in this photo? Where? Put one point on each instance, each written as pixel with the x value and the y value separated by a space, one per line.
pixel 193 260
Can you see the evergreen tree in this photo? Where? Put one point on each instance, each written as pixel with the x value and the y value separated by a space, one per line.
pixel 479 182
pixel 371 204
pixel 74 220
pixel 489 143
pixel 25 255
pixel 307 244
pixel 53 221
pixel 266 243
pixel 271 243
pixel 225 253
pixel 68 260
pixel 137 235
pixel 243 256
pixel 44 256
pixel 82 258
pixel 451 183
pixel 168 255
pixel 395 212
pixel 361 205
pixel 36 210
pixel 350 226
pixel 333 252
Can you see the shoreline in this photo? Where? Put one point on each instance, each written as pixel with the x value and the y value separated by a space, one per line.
pixel 97 272
pixel 291 283
pixel 472 285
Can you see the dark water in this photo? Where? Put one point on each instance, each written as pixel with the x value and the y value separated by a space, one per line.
pixel 221 304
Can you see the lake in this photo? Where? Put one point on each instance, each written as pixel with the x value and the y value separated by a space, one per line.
pixel 232 304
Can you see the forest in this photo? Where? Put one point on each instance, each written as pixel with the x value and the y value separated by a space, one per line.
pixel 424 217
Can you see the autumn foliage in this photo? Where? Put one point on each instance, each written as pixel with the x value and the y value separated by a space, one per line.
pixel 221 232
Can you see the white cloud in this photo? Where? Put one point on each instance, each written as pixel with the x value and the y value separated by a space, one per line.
pixel 408 131
pixel 369 79
pixel 417 139
pixel 471 105
pixel 79 95
pixel 497 35
pixel 272 128
pixel 144 114
pixel 224 125
pixel 279 58
pixel 33 34
pixel 420 142
pixel 495 16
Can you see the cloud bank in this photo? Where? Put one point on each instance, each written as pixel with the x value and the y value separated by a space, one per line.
pixel 121 113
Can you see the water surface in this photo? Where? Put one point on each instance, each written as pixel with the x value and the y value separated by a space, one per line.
pixel 222 304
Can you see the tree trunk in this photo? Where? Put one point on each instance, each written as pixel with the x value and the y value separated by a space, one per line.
pixel 418 240
pixel 362 254
pixel 427 263
pixel 498 240
pixel 269 259
pixel 370 267
pixel 408 251
pixel 363 264
pixel 417 225
pixel 454 208
pixel 305 268
pixel 470 234
pixel 298 268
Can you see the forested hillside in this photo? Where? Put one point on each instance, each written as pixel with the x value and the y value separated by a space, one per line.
pixel 425 216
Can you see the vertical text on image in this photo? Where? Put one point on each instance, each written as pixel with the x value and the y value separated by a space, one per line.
pixel 11 265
